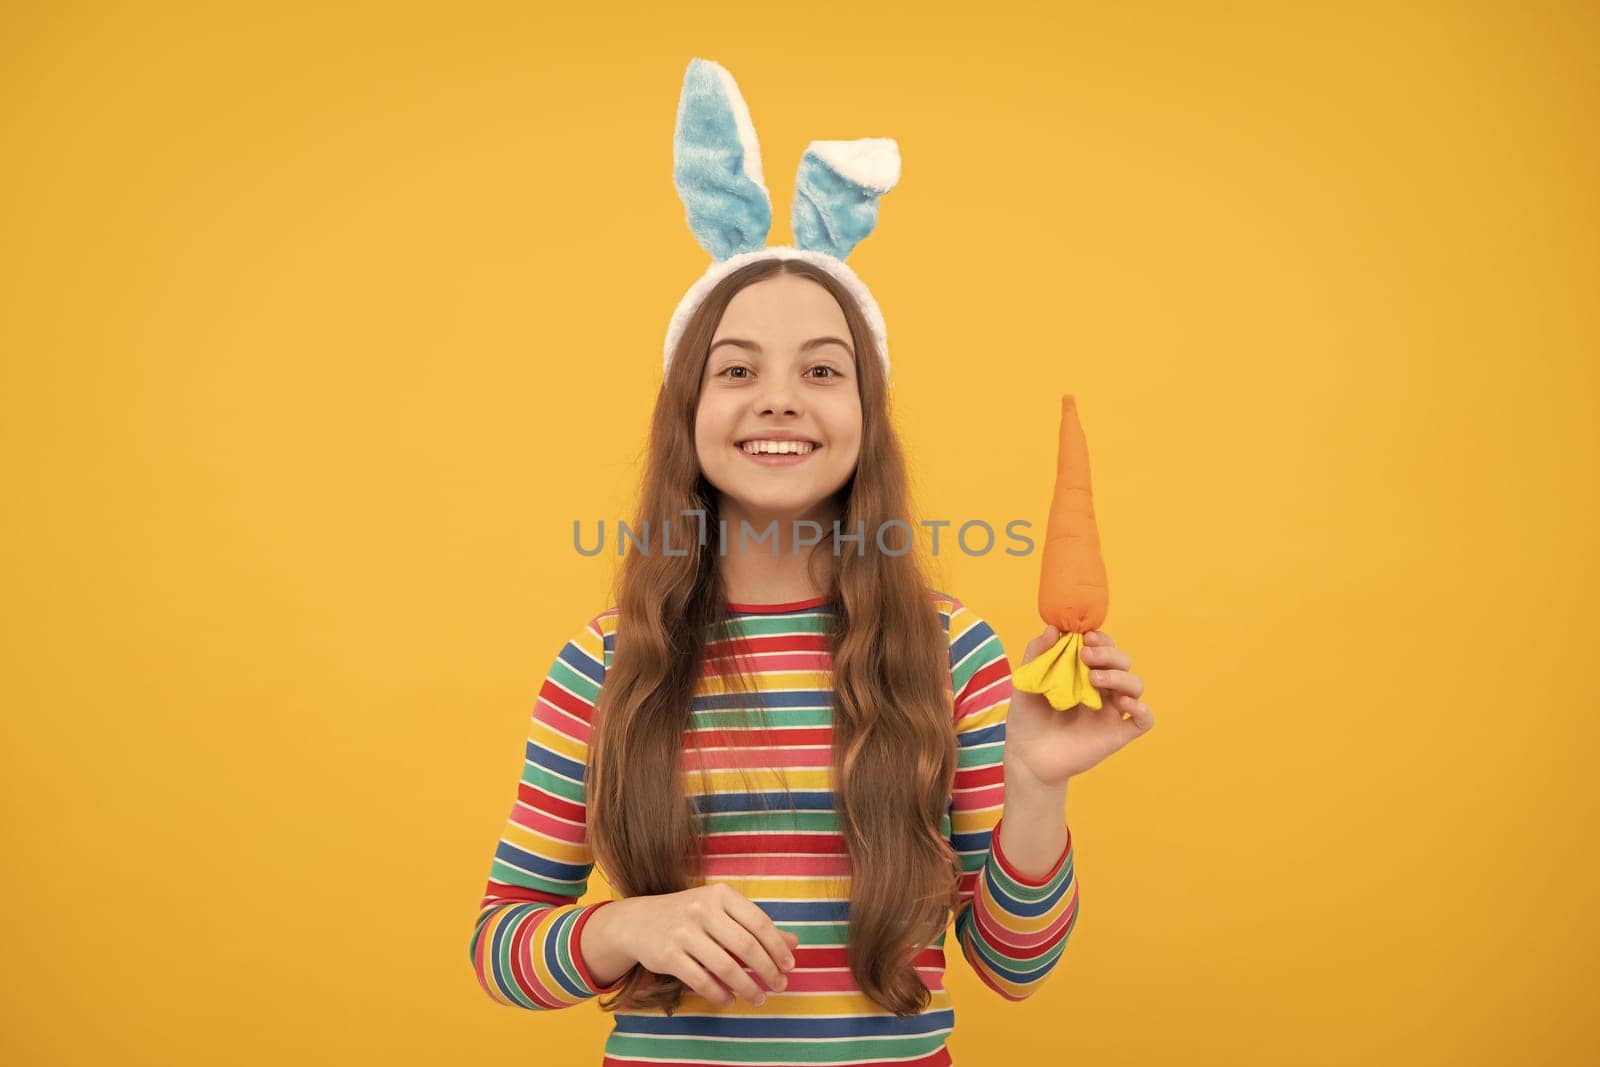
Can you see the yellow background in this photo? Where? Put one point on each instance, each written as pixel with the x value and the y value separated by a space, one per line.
pixel 319 329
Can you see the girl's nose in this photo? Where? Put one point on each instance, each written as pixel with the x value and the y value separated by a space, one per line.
pixel 778 396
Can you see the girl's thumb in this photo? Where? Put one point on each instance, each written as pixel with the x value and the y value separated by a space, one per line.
pixel 1042 643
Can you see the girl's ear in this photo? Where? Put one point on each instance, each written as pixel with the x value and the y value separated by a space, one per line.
pixel 836 193
pixel 716 164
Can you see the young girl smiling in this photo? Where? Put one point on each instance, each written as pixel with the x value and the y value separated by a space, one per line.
pixel 793 760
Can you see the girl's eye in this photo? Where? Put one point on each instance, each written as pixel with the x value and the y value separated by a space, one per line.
pixel 741 371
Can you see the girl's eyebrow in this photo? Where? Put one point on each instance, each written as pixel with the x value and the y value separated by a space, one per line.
pixel 815 342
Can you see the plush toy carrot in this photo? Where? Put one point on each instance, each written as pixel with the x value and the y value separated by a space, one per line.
pixel 1072 579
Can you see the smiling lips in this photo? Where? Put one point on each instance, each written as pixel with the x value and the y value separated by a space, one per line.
pixel 777 452
pixel 781 447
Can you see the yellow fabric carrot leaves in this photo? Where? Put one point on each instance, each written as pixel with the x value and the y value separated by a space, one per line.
pixel 1073 595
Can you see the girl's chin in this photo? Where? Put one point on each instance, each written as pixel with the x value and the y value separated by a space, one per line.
pixel 759 500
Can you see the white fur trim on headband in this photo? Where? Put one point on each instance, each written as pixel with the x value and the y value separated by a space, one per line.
pixel 722 268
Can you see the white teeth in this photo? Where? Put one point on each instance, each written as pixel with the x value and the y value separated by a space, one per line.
pixel 778 448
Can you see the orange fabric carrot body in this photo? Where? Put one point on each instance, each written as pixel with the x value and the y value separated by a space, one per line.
pixel 1073 595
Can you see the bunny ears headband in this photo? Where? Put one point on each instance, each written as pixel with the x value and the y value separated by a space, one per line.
pixel 716 166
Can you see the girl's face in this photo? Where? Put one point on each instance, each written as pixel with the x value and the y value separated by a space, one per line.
pixel 782 369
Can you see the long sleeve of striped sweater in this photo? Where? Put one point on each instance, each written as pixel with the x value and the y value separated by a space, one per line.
pixel 525 943
pixel 791 861
pixel 1011 928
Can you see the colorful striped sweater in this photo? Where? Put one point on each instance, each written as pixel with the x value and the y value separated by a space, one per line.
pixel 792 862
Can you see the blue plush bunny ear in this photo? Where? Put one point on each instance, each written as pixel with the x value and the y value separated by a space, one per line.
pixel 836 193
pixel 716 164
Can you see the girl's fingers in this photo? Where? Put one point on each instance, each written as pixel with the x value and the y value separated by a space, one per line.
pixel 1106 656
pixel 1118 681
pixel 726 969
pixel 1140 714
pixel 761 950
pixel 772 937
pixel 701 981
pixel 1041 643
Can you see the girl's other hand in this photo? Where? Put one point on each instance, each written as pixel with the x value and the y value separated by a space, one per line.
pixel 701 935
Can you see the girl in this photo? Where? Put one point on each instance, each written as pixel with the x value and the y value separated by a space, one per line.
pixel 792 758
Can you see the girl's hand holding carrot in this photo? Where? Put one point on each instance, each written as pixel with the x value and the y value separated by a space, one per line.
pixel 1051 746
pixel 1074 684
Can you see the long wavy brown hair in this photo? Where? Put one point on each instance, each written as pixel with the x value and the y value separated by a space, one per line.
pixel 894 745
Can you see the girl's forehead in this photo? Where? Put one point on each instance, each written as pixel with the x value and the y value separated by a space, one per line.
pixel 774 303
pixel 799 338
